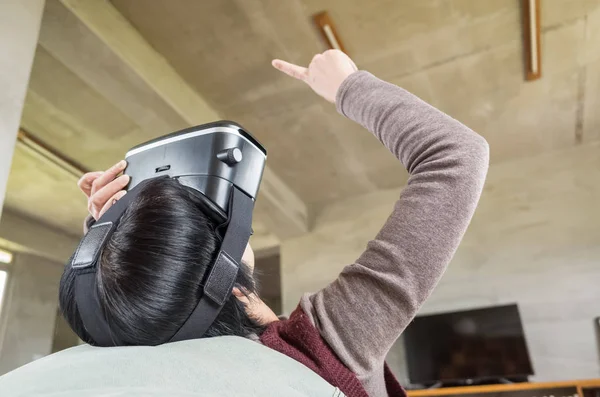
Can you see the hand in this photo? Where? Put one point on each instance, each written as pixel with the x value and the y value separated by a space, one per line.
pixel 103 189
pixel 256 308
pixel 325 73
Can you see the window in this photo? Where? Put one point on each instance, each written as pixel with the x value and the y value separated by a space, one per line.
pixel 5 259
pixel 3 277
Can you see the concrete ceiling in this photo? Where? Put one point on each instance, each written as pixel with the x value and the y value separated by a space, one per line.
pixel 463 56
pixel 224 49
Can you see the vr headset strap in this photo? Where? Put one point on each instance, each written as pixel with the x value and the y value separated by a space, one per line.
pixel 85 263
pixel 91 312
pixel 217 287
pixel 222 276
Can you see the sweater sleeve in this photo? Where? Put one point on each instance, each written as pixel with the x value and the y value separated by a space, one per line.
pixel 364 311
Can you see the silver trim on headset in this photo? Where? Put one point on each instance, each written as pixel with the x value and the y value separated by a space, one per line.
pixel 192 134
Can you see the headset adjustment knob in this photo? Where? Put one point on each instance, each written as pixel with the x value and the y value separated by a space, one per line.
pixel 230 156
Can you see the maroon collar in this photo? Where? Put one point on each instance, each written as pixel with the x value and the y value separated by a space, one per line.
pixel 297 338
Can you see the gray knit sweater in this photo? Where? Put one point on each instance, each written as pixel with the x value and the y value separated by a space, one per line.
pixel 364 311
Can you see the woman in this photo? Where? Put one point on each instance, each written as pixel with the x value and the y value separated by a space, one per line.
pixel 152 268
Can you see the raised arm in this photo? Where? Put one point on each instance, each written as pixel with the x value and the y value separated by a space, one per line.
pixel 372 301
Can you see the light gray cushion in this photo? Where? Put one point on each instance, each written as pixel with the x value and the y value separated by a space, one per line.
pixel 223 366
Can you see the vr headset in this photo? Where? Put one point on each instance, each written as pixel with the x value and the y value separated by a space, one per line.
pixel 223 164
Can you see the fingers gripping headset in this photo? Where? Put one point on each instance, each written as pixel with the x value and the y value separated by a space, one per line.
pixel 222 163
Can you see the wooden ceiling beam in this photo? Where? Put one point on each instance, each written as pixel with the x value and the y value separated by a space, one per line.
pixel 278 207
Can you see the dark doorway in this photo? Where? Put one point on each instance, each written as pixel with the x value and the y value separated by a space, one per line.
pixel 269 277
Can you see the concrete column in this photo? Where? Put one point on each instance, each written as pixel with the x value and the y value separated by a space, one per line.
pixel 19 29
pixel 29 311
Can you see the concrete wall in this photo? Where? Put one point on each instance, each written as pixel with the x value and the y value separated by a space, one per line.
pixel 29 311
pixel 534 240
pixel 29 327
pixel 63 337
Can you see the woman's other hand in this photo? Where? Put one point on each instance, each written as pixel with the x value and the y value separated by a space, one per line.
pixel 103 189
pixel 324 74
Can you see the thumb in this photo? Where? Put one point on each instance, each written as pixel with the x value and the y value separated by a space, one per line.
pixel 290 69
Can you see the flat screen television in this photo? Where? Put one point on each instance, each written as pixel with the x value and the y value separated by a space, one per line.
pixel 473 345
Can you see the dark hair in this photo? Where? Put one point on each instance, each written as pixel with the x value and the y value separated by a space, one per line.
pixel 152 269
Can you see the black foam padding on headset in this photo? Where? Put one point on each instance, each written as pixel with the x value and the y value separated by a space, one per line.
pixel 210 209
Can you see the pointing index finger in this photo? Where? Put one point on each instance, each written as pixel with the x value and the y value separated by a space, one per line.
pixel 290 69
